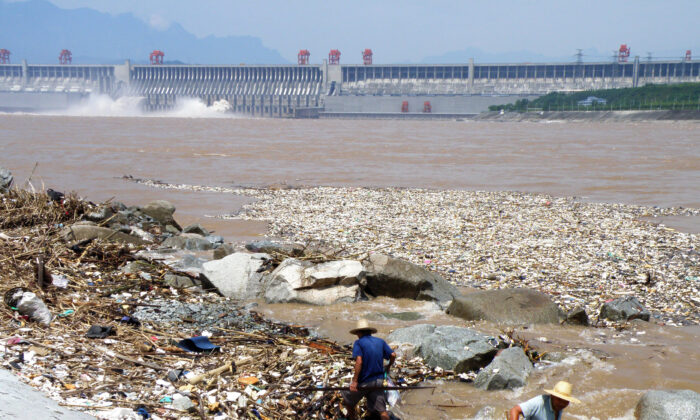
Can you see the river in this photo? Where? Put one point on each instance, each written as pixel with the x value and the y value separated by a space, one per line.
pixel 647 163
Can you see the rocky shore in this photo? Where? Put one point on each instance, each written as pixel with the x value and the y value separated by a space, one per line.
pixel 120 311
pixel 581 254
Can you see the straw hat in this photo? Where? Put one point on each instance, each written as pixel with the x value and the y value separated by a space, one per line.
pixel 563 390
pixel 362 325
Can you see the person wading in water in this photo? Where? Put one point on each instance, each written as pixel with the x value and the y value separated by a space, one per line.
pixel 545 407
pixel 369 354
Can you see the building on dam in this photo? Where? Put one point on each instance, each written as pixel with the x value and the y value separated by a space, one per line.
pixel 328 89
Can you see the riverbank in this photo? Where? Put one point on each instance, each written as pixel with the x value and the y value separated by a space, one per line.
pixel 591 116
pixel 104 284
pixel 581 253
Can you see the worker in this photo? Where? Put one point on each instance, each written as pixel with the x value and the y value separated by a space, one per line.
pixel 369 353
pixel 545 407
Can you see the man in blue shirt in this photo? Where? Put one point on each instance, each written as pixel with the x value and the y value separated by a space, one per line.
pixel 369 354
pixel 545 407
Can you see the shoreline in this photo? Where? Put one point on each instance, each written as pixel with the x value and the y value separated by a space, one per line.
pixel 93 305
pixel 532 116
pixel 486 240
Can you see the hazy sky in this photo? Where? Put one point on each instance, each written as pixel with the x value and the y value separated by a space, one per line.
pixel 408 30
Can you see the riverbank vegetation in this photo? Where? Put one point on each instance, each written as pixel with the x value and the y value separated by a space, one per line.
pixel 649 97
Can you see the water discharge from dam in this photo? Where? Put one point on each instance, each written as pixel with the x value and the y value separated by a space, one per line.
pixel 97 105
pixel 647 163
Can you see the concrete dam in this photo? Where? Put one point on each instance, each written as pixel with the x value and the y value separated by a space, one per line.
pixel 326 89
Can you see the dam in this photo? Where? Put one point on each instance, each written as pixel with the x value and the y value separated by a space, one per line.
pixel 310 90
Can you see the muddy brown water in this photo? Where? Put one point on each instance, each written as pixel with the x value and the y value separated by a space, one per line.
pixel 648 163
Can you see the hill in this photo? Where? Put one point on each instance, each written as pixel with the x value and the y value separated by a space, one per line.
pixel 37 30
pixel 675 97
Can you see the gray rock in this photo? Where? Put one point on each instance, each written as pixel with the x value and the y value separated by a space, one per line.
pixel 553 356
pixel 403 316
pixel 270 247
pixel 454 348
pixel 624 309
pixel 458 349
pixel 236 276
pixel 5 179
pixel 577 316
pixel 172 230
pixel 288 283
pixel 346 272
pixel 387 276
pixel 134 267
pixel 223 250
pixel 410 339
pixel 216 240
pixel 99 215
pixel 84 232
pixel 189 241
pixel 187 263
pixel 327 295
pixel 177 259
pixel 182 403
pixel 509 370
pixel 196 228
pixel 180 282
pixel 509 306
pixel 671 404
pixel 161 211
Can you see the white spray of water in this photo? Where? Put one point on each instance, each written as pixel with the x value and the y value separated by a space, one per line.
pixel 132 106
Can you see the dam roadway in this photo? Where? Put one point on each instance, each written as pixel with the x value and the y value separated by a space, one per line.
pixel 306 90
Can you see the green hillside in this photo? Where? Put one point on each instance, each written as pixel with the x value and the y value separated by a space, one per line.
pixel 679 96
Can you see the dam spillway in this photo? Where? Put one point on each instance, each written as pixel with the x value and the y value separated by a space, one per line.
pixel 292 90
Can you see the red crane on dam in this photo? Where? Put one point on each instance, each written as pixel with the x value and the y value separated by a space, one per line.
pixel 66 57
pixel 688 55
pixel 623 54
pixel 367 57
pixel 156 57
pixel 4 56
pixel 334 57
pixel 303 57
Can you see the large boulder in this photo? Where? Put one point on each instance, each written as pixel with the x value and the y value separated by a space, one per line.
pixel 302 282
pixel 196 228
pixel 624 309
pixel 672 404
pixel 344 272
pixel 5 179
pixel 236 276
pixel 577 316
pixel 449 347
pixel 408 340
pixel 509 370
pixel 508 306
pixel 224 250
pixel 82 232
pixel 161 211
pixel 387 276
pixel 189 241
pixel 180 282
pixel 269 247
pixel 176 259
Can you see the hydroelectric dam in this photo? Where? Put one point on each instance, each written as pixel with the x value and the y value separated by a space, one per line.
pixel 328 89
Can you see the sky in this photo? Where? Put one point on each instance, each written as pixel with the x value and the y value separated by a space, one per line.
pixel 408 31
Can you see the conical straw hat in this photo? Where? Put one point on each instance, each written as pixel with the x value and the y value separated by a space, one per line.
pixel 563 390
pixel 363 325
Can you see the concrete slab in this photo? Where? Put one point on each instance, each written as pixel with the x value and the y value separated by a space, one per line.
pixel 20 401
